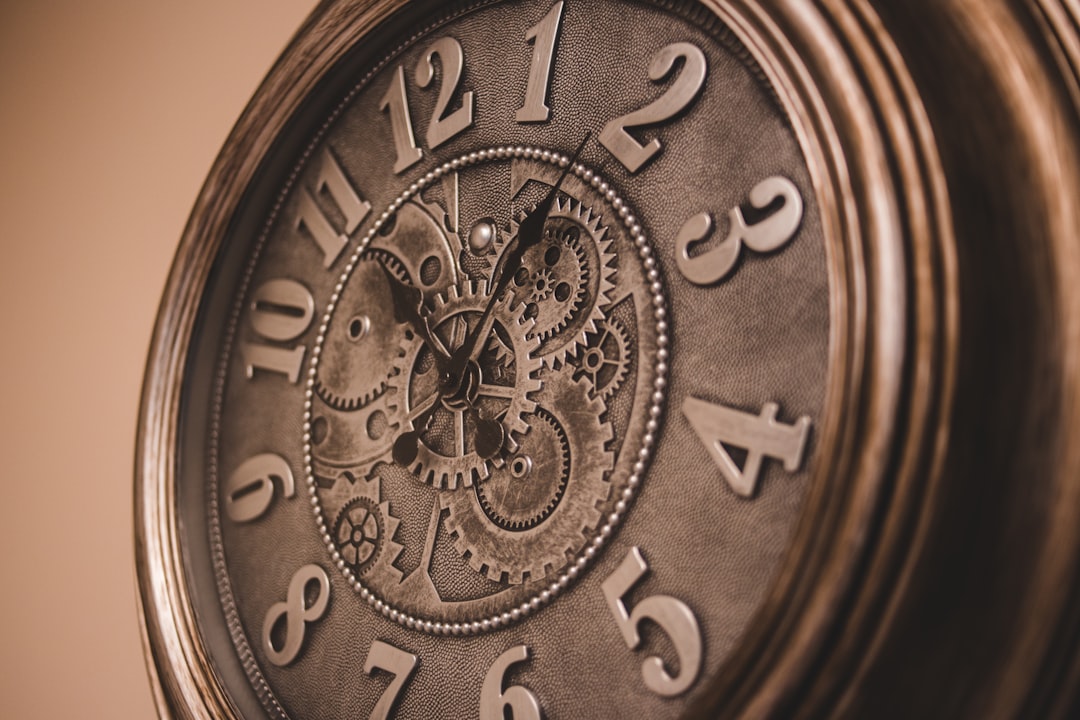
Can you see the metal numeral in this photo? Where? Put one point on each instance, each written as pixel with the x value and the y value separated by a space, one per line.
pixel 396 103
pixel 441 129
pixel 296 614
pixel 400 664
pixel 331 181
pixel 678 97
pixel 764 236
pixel 494 700
pixel 250 488
pixel 543 35
pixel 760 435
pixel 281 310
pixel 673 616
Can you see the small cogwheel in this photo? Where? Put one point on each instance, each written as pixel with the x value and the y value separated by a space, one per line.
pixel 362 329
pixel 536 550
pixel 574 260
pixel 606 359
pixel 507 374
pixel 541 285
pixel 528 487
pixel 360 533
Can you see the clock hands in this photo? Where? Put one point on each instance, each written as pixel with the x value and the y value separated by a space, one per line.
pixel 530 232
pixel 456 379
pixel 407 300
pixel 407 444
pixel 490 434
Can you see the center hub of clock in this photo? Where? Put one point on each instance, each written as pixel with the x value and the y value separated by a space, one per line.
pixel 462 391
pixel 492 486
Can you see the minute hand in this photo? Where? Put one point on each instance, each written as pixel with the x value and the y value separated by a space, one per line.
pixel 530 232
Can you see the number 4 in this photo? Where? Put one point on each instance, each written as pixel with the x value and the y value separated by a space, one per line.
pixel 760 435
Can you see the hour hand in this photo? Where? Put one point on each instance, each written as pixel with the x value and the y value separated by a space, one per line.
pixel 407 301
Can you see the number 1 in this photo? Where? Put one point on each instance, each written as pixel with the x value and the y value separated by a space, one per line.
pixel 543 36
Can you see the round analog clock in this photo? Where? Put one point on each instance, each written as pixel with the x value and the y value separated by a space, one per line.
pixel 602 359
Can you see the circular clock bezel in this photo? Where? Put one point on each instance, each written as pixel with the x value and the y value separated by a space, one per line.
pixel 889 239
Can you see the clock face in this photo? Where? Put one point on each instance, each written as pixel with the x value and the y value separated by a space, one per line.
pixel 509 376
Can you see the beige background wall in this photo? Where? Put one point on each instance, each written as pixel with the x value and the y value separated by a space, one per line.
pixel 111 113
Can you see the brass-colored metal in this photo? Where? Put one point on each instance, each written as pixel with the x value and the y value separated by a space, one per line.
pixel 934 571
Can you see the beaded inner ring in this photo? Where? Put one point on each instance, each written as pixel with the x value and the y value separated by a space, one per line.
pixel 607 525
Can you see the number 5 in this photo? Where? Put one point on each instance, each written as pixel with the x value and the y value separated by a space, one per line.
pixel 672 615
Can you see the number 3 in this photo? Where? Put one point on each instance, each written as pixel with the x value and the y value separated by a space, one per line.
pixel 672 615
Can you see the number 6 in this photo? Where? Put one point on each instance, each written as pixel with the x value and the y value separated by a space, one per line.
pixel 494 701
pixel 672 615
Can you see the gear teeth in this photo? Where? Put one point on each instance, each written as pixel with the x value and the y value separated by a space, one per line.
pixel 452 480
pixel 609 331
pixel 392 549
pixel 450 472
pixel 504 555
pixel 579 298
pixel 337 349
pixel 383 548
pixel 583 317
pixel 553 442
pixel 340 452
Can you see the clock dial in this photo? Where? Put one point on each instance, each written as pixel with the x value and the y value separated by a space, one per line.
pixel 511 372
pixel 626 358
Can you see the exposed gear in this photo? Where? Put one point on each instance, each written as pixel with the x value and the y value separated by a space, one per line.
pixel 351 440
pixel 362 327
pixel 606 359
pixel 541 285
pixel 361 532
pixel 515 555
pixel 446 455
pixel 528 487
pixel 417 236
pixel 573 260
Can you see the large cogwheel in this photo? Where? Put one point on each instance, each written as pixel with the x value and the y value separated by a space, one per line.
pixel 508 367
pixel 519 552
pixel 565 280
pixel 524 491
pixel 361 332
pixel 352 440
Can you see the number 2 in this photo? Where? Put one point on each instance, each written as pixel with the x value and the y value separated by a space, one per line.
pixel 678 97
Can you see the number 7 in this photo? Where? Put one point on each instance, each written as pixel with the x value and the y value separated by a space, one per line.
pixel 398 663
